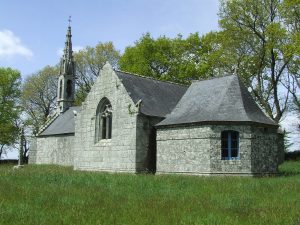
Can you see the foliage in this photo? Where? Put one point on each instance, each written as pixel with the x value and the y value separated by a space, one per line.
pixel 89 62
pixel 258 39
pixel 59 195
pixel 287 141
pixel 39 93
pixel 178 59
pixel 10 81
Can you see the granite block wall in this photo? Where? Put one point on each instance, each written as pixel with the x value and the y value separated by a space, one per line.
pixel 184 150
pixel 264 150
pixel 146 143
pixel 32 150
pixel 53 150
pixel 115 154
pixel 197 150
pixel 240 166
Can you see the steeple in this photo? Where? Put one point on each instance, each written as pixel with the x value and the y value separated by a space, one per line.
pixel 66 81
pixel 67 62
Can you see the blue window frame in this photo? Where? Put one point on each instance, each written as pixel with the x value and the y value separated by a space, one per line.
pixel 230 145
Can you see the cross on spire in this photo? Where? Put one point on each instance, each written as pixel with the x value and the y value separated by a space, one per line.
pixel 69 20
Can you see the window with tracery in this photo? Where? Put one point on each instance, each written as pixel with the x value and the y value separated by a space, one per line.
pixel 103 120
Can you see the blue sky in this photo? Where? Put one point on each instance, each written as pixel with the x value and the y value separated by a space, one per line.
pixel 33 31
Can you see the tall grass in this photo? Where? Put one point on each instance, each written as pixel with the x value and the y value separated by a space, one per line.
pixel 58 195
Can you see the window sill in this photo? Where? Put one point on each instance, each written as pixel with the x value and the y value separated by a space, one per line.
pixel 231 159
pixel 103 142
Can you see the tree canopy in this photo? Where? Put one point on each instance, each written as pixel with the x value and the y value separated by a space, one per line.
pixel 178 59
pixel 10 81
pixel 258 39
pixel 89 62
pixel 39 93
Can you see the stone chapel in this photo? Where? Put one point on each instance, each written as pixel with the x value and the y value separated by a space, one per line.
pixel 131 123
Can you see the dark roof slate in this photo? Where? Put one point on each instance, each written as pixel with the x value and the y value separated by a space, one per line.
pixel 63 124
pixel 158 97
pixel 223 99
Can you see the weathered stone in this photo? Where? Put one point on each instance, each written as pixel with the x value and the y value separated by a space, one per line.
pixel 197 150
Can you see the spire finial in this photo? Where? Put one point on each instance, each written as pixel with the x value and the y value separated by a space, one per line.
pixel 69 21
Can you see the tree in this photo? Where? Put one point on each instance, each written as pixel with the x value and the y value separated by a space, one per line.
pixel 89 62
pixel 39 93
pixel 178 59
pixel 256 36
pixel 291 14
pixel 10 81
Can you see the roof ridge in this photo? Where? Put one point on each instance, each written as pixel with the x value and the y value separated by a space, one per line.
pixel 151 78
pixel 213 78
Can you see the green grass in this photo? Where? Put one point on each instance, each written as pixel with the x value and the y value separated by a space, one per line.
pixel 58 195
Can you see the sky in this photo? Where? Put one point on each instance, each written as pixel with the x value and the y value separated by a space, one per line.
pixel 32 32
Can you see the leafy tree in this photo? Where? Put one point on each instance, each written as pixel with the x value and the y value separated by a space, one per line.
pixel 10 81
pixel 291 14
pixel 39 93
pixel 178 59
pixel 89 62
pixel 257 38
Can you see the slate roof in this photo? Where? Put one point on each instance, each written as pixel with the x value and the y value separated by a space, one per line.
pixel 223 99
pixel 158 97
pixel 63 124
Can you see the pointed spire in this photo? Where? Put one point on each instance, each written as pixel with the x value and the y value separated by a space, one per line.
pixel 67 63
pixel 66 80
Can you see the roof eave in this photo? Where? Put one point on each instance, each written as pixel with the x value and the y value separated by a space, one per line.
pixel 158 126
pixel 58 134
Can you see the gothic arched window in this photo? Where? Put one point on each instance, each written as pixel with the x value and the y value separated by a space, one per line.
pixel 69 88
pixel 103 120
pixel 230 144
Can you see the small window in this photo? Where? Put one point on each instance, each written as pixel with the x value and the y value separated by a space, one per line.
pixel 230 145
pixel 69 88
pixel 103 120
pixel 60 89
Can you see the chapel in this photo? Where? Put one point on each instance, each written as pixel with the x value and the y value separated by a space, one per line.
pixel 132 123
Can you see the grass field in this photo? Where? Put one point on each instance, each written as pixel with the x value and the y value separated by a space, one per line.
pixel 58 195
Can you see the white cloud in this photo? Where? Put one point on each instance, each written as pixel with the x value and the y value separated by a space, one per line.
pixel 10 46
pixel 60 51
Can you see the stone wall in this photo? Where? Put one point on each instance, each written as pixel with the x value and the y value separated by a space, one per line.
pixel 53 150
pixel 197 150
pixel 265 153
pixel 184 150
pixel 32 150
pixel 240 166
pixel 119 152
pixel 146 143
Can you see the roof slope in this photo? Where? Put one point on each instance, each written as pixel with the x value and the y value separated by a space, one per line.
pixel 158 97
pixel 223 99
pixel 63 124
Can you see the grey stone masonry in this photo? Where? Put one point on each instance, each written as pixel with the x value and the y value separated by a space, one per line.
pixel 184 150
pixel 119 152
pixel 197 150
pixel 33 150
pixel 56 149
pixel 265 150
pixel 239 166
pixel 146 143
